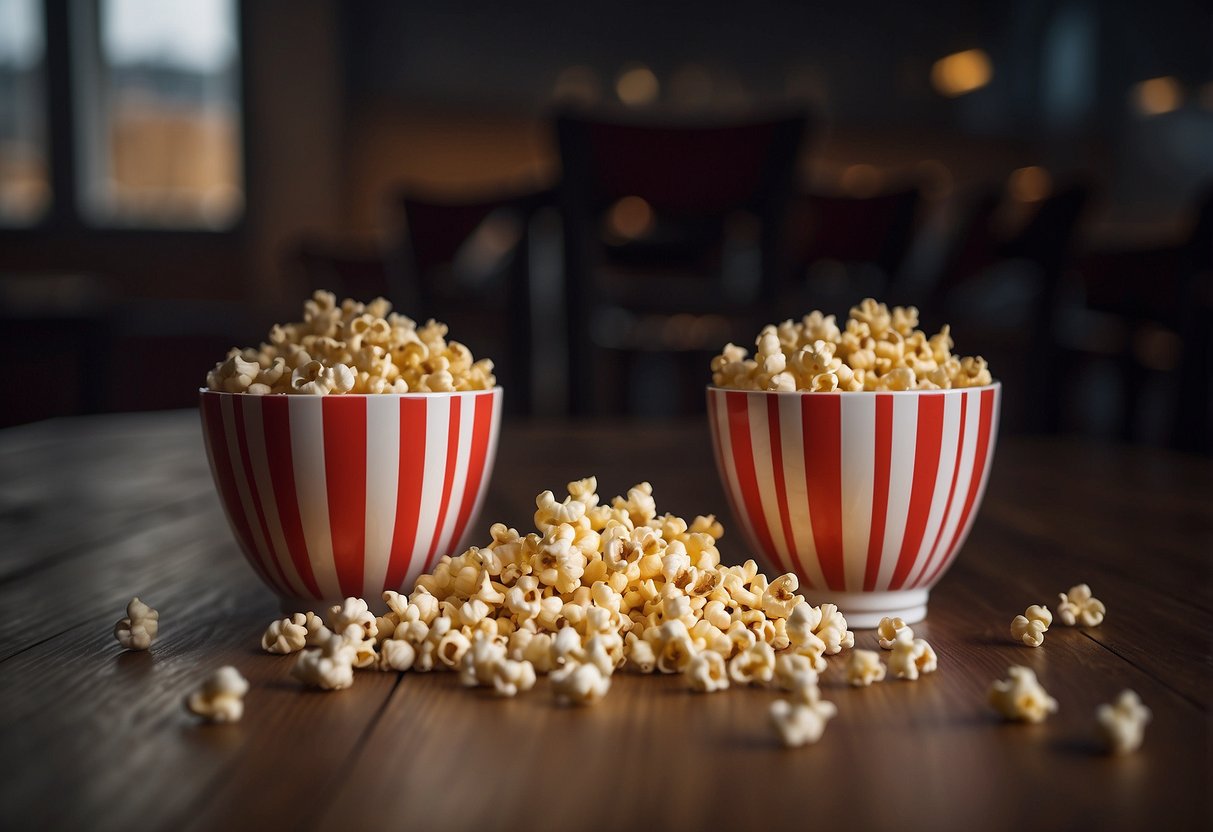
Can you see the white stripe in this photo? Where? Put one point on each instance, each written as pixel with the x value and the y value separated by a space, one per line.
pixel 764 475
pixel 307 455
pixel 437 423
pixel 244 489
pixel 791 439
pixel 965 473
pixel 254 429
pixel 463 453
pixel 975 403
pixel 939 498
pixel 901 483
pixel 858 474
pixel 721 415
pixel 487 475
pixel 382 480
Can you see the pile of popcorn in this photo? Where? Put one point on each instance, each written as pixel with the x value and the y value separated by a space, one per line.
pixel 878 349
pixel 352 348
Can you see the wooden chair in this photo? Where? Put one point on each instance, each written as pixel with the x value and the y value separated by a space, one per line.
pixel 699 183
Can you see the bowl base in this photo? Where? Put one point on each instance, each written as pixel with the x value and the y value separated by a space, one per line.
pixel 863 610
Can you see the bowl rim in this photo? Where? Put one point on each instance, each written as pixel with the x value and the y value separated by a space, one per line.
pixel 993 385
pixel 304 397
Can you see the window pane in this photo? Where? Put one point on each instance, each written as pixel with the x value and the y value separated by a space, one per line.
pixel 161 115
pixel 24 183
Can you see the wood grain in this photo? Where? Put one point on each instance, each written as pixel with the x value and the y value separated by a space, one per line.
pixel 96 510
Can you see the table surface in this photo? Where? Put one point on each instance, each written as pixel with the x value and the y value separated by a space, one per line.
pixel 93 511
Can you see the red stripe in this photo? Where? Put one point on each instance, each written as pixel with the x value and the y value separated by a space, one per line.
pixel 821 416
pixel 880 488
pixel 276 420
pixel 483 422
pixel 747 480
pixel 928 441
pixel 345 484
pixel 218 451
pixel 247 460
pixel 979 466
pixel 781 490
pixel 408 489
pixel 947 506
pixel 452 454
pixel 715 403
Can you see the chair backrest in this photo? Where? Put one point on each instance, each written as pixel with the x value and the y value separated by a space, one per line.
pixel 875 229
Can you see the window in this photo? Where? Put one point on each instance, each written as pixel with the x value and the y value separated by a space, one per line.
pixel 24 175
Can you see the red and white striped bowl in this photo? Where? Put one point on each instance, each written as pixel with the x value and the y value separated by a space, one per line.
pixel 332 496
pixel 867 497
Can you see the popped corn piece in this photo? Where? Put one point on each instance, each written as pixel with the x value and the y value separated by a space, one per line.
pixel 780 598
pixel 1078 606
pixel 706 672
pixel 329 667
pixel 802 722
pixel 362 647
pixel 353 611
pixel 139 629
pixel 887 630
pixel 794 671
pixel 640 655
pixel 579 684
pixel 1030 628
pixel 476 666
pixel 1122 725
pixel 221 697
pixel 286 635
pixel 753 666
pixel 510 677
pixel 832 629
pixel 1020 697
pixel 396 654
pixel 864 667
pixel 911 656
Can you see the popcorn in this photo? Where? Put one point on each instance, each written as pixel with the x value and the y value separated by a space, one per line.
pixel 1122 725
pixel 911 656
pixel 1079 607
pixel 510 677
pixel 887 630
pixel 287 635
pixel 330 667
pixel 353 611
pixel 352 348
pixel 706 672
pixel 396 654
pixel 1030 628
pixel 1020 697
pixel 221 697
pixel 794 671
pixel 878 349
pixel 579 684
pixel 138 630
pixel 802 722
pixel 753 666
pixel 864 667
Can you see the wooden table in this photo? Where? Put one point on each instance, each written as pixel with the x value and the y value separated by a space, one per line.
pixel 93 511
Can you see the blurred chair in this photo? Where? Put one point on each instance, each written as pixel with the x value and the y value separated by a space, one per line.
pixel 673 235
pixel 465 262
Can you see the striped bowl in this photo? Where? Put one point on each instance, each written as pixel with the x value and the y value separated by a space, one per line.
pixel 333 496
pixel 867 497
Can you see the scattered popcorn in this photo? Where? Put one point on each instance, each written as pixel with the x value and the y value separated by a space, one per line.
pixel 352 348
pixel 1020 697
pixel 802 722
pixel 138 630
pixel 887 630
pixel 579 684
pixel 794 671
pixel 221 697
pixel 396 654
pixel 1030 628
pixel 706 672
pixel 354 611
pixel 510 677
pixel 878 349
pixel 1078 607
pixel 330 667
pixel 864 667
pixel 911 656
pixel 287 635
pixel 1122 725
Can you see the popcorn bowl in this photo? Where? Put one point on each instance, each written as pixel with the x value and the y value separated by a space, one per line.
pixel 333 496
pixel 867 497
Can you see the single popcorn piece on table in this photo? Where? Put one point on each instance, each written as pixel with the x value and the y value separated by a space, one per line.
pixel 1121 726
pixel 139 629
pixel 1079 607
pixel 754 666
pixel 794 671
pixel 1020 696
pixel 887 630
pixel 864 667
pixel 579 684
pixel 803 720
pixel 330 667
pixel 911 656
pixel 707 672
pixel 1030 628
pixel 221 696
pixel 286 635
